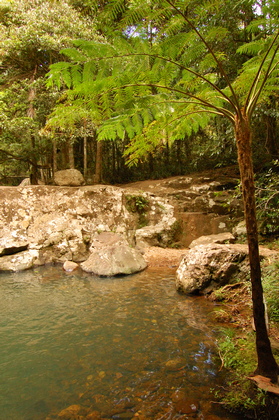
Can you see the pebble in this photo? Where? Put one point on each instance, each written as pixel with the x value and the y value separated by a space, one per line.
pixel 70 266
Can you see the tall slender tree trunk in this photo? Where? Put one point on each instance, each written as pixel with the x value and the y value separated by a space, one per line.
pixel 98 164
pixel 85 157
pixel 267 365
pixel 71 154
pixel 54 156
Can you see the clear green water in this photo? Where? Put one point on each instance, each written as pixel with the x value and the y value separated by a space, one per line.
pixel 122 345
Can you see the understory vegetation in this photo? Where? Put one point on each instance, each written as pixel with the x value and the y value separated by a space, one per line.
pixel 236 343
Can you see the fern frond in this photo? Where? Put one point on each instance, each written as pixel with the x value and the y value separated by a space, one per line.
pixel 252 48
pixel 74 55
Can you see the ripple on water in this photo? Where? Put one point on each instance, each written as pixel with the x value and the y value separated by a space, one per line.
pixel 110 345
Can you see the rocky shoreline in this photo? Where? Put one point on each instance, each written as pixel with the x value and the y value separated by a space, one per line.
pixel 111 230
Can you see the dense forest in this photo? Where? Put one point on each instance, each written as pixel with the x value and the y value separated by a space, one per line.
pixel 138 132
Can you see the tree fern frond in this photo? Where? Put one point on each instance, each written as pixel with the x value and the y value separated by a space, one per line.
pixel 115 8
pixel 89 70
pixel 135 14
pixel 76 75
pixel 74 55
pixel 216 34
pixel 256 26
pixel 107 132
pixel 252 48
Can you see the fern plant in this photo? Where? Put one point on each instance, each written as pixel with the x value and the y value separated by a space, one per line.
pixel 175 65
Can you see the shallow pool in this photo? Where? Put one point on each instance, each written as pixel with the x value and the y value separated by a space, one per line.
pixel 120 347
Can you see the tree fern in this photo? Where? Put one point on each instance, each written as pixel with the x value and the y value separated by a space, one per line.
pixel 181 106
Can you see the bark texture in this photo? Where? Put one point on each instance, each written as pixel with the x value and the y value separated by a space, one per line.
pixel 267 365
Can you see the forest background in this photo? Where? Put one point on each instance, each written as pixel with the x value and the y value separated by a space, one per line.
pixel 126 90
pixel 46 127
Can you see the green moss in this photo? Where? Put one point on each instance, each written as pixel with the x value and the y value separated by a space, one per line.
pixel 138 204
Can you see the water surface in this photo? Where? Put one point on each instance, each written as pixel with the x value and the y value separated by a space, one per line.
pixel 117 346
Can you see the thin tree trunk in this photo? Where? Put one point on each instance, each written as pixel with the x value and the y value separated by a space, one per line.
pixel 267 365
pixel 98 165
pixel 85 157
pixel 54 156
pixel 71 155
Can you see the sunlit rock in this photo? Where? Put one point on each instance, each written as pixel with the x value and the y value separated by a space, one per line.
pixel 61 224
pixel 240 230
pixel 19 262
pixel 70 266
pixel 207 267
pixel 69 177
pixel 111 255
pixel 219 238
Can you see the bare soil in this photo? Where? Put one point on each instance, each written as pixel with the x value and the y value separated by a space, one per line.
pixel 157 257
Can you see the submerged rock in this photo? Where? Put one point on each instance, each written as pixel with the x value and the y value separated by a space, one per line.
pixel 187 406
pixel 70 412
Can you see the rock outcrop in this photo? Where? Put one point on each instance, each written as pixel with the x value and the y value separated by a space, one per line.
pixel 205 203
pixel 47 224
pixel 219 238
pixel 207 267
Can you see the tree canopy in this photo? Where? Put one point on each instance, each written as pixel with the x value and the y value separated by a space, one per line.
pixel 31 37
pixel 166 75
pixel 169 71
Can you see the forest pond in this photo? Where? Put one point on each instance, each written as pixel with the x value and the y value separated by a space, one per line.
pixel 115 348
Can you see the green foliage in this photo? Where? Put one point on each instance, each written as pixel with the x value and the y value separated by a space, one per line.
pixel 238 353
pixel 238 356
pixel 267 195
pixel 138 204
pixel 34 33
pixel 31 37
pixel 271 291
pixel 166 81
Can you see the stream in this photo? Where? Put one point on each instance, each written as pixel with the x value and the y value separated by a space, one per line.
pixel 120 348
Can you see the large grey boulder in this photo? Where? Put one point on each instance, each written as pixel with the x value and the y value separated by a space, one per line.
pixel 69 177
pixel 207 267
pixel 112 255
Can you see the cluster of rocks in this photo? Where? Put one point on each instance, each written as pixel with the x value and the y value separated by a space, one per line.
pixel 90 225
pixel 205 203
pixel 104 229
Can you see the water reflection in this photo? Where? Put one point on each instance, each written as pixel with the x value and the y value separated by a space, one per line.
pixel 128 345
